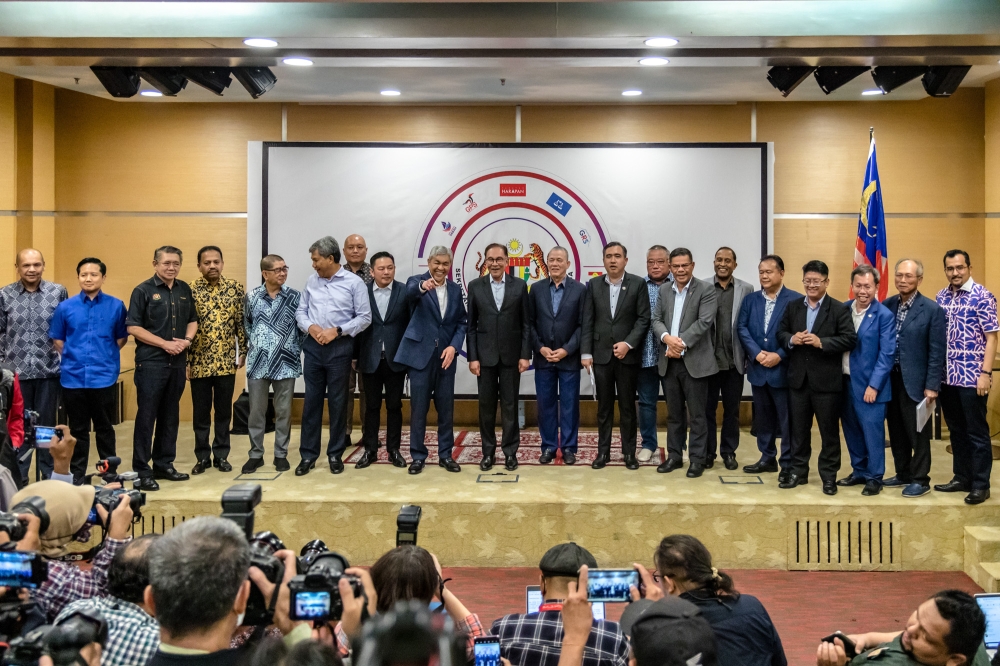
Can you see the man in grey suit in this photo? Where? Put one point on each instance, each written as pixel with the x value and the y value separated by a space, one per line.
pixel 728 381
pixel 682 322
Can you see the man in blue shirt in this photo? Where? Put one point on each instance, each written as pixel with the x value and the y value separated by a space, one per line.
pixel 88 331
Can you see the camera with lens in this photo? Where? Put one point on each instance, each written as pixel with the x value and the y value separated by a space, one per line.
pixel 315 592
pixel 16 527
pixel 61 642
pixel 111 498
pixel 238 505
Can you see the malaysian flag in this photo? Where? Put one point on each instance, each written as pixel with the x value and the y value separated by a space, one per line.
pixel 871 244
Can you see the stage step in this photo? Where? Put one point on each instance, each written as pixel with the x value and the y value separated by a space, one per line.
pixel 982 556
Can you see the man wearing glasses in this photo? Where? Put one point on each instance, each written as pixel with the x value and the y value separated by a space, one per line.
pixel 274 360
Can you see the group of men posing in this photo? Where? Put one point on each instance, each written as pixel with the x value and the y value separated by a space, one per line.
pixel 806 356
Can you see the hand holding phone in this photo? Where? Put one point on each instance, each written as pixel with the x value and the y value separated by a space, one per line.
pixel 487 651
pixel 611 585
pixel 44 435
pixel 850 648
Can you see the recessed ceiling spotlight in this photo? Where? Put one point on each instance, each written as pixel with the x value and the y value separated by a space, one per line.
pixel 151 93
pixel 298 62
pixel 654 61
pixel 874 91
pixel 391 93
pixel 631 93
pixel 260 42
pixel 658 42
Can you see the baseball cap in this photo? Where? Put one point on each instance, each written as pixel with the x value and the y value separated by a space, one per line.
pixel 672 632
pixel 632 613
pixel 566 560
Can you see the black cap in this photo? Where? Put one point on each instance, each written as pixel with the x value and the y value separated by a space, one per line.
pixel 632 613
pixel 566 560
pixel 672 632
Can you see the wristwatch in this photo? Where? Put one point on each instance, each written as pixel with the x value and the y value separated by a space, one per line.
pixel 340 331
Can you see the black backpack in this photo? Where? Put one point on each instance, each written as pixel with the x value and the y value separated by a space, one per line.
pixel 241 415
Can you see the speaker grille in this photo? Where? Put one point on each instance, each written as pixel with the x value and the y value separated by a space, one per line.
pixel 844 545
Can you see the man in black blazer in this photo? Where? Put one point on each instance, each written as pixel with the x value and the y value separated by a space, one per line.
pixel 374 352
pixel 499 348
pixel 816 331
pixel 615 322
pixel 921 348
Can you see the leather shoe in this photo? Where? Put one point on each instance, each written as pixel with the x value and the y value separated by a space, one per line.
pixel 547 457
pixel 417 466
pixel 486 464
pixel 631 462
pixel 569 458
pixel 510 463
pixel 829 488
pixel 251 466
pixel 600 461
pixel 761 466
pixel 336 465
pixel 695 470
pixel 872 487
pixel 449 465
pixel 170 474
pixel 953 486
pixel 793 480
pixel 916 490
pixel 894 482
pixel 669 466
pixel 146 483
pixel 978 496
pixel 730 462
pixel 304 467
pixel 709 462
pixel 850 480
pixel 397 459
pixel 281 464
pixel 366 460
pixel 223 465
pixel 201 467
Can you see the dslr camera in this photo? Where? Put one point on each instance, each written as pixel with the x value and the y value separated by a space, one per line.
pixel 61 642
pixel 315 591
pixel 111 498
pixel 16 527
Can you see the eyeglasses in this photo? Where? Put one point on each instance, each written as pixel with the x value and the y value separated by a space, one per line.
pixel 495 260
pixel 955 269
pixel 813 283
pixel 283 269
pixel 680 266
pixel 657 577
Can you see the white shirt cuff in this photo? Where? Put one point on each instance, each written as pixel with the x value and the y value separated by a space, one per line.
pixel 586 357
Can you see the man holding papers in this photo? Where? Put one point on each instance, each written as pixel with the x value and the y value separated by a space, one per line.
pixel 921 341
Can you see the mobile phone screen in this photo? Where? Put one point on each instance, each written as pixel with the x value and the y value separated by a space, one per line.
pixel 611 584
pixel 43 435
pixel 487 651
pixel 990 605
pixel 312 605
pixel 17 569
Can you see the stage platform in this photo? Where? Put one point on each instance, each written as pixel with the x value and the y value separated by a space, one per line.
pixel 510 518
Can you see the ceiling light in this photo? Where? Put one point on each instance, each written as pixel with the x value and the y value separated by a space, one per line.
pixel 876 91
pixel 891 77
pixel 118 81
pixel 631 93
pixel 260 42
pixel 658 42
pixel 943 81
pixel 298 62
pixel 831 78
pixel 151 93
pixel 787 79
pixel 390 93
pixel 654 61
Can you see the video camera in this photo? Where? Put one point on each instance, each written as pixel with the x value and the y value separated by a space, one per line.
pixel 315 591
pixel 15 527
pixel 61 642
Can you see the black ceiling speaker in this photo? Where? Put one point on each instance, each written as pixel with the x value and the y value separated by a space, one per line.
pixel 168 80
pixel 831 78
pixel 119 81
pixel 215 79
pixel 257 80
pixel 787 79
pixel 943 81
pixel 889 78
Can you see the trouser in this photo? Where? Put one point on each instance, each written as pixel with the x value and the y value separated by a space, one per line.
pixel 911 450
pixel 680 388
pixel 864 432
pixel 965 414
pixel 325 371
pixel 805 403
pixel 557 394
pixel 42 396
pixel 727 384
pixel 499 381
pixel 771 422
pixel 432 382
pixel 259 390
pixel 383 378
pixel 356 381
pixel 83 408
pixel 614 378
pixel 158 390
pixel 648 388
pixel 206 393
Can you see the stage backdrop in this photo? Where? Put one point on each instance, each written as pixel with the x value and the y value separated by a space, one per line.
pixel 407 198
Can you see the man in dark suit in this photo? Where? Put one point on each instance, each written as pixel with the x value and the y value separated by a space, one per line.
pixel 375 351
pixel 816 331
pixel 918 369
pixel 682 322
pixel 555 313
pixel 615 321
pixel 767 365
pixel 429 348
pixel 499 348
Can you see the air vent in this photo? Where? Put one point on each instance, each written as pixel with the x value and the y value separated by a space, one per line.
pixel 844 545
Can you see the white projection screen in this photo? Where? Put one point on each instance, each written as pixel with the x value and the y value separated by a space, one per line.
pixel 406 198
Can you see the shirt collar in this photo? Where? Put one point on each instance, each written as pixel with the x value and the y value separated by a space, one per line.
pixel 650 280
pixel 561 285
pixel 202 282
pixel 614 284
pixel 908 302
pixel 855 311
pixel 388 287
pixel 806 301
pixel 969 284
pixel 502 280
pixel 776 294
pixel 673 285
pixel 97 299
pixel 732 281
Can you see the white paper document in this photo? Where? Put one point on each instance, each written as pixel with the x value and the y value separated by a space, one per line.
pixel 593 387
pixel 924 410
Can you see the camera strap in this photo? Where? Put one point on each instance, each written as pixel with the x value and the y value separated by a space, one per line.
pixel 277 588
pixel 440 609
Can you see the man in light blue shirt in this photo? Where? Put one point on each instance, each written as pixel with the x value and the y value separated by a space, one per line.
pixel 334 309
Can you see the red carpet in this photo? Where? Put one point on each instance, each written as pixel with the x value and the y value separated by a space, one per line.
pixel 805 606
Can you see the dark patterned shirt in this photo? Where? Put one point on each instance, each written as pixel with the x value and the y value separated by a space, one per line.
pixel 275 339
pixel 25 316
pixel 364 272
pixel 535 639
pixel 904 309
pixel 133 635
pixel 220 334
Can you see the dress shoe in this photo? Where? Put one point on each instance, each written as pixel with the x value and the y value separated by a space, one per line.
pixel 201 467
pixel 829 488
pixel 783 476
pixel 222 465
pixel 872 487
pixel 894 482
pixel 978 496
pixel 600 461
pixel 631 462
pixel 794 480
pixel 850 480
pixel 695 470
pixel 546 457
pixel 281 464
pixel 147 483
pixel 761 466
pixel 953 486
pixel 336 465
pixel 569 458
pixel 644 455
pixel 170 474
pixel 709 462
pixel 416 467
pixel 367 458
pixel 915 490
pixel 730 462
pixel 486 464
pixel 669 466
pixel 397 459
pixel 251 466
pixel 510 463
pixel 449 465
pixel 304 467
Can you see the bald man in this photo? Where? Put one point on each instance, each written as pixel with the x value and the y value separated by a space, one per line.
pixel 26 309
pixel 355 252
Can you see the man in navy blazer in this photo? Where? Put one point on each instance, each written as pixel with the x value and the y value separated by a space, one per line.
pixel 375 351
pixel 555 315
pixel 766 366
pixel 430 348
pixel 917 372
pixel 866 382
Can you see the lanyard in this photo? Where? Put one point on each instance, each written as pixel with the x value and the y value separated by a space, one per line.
pixel 550 606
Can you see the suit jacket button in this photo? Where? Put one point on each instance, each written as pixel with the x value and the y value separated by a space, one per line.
pixel 765 339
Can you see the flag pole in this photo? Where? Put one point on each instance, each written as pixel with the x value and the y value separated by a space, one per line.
pixel 871 133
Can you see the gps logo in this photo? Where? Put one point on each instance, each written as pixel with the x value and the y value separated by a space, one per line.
pixel 509 190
